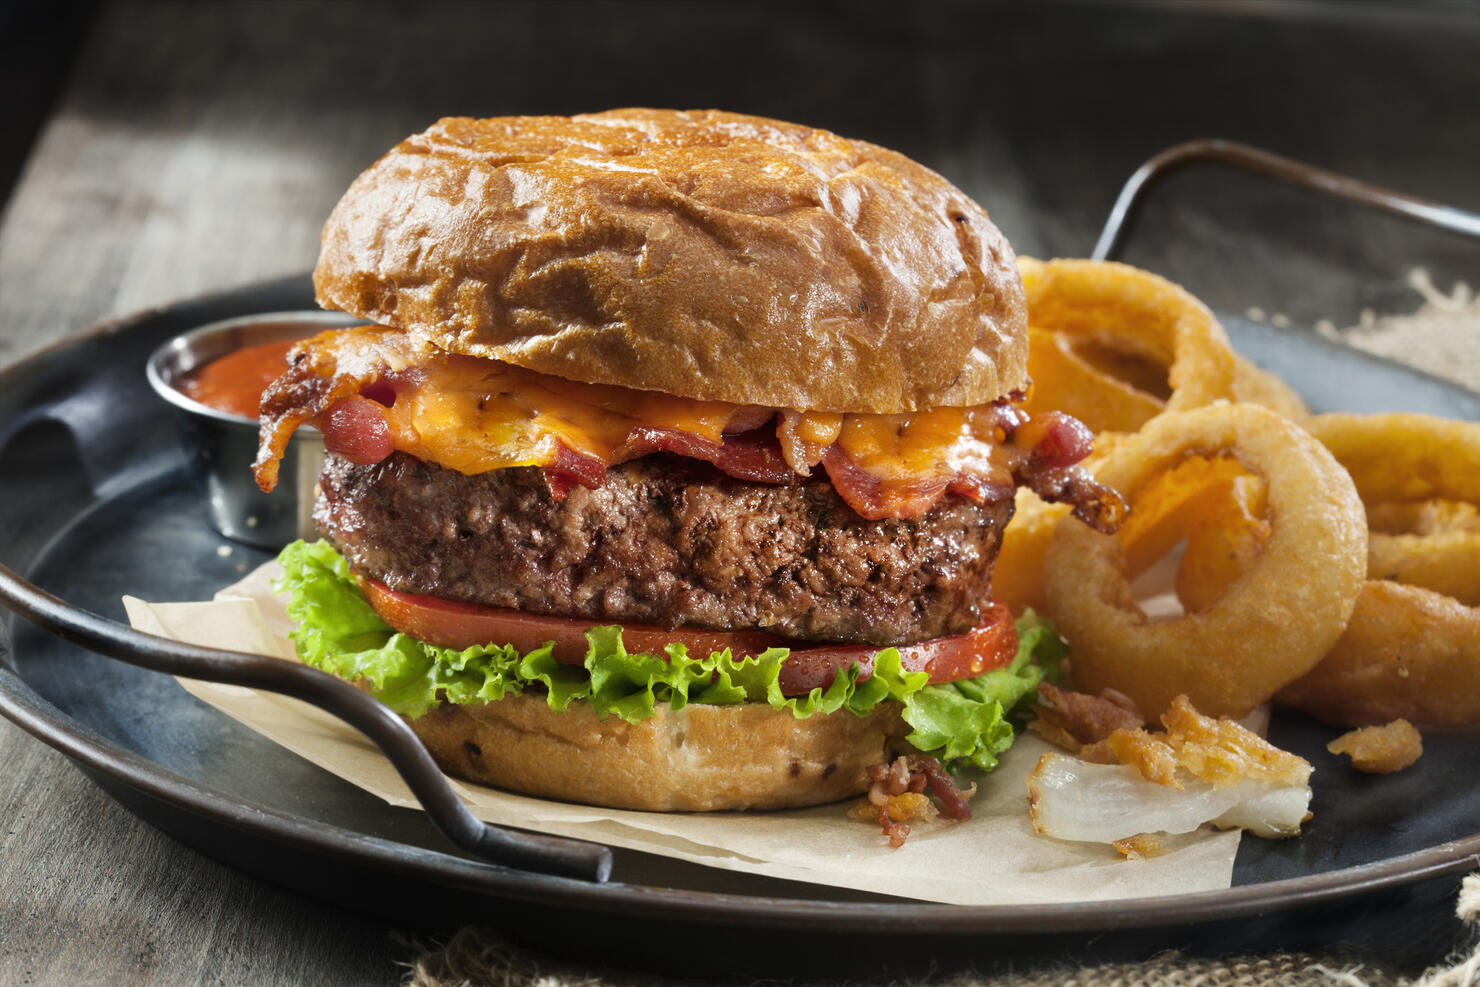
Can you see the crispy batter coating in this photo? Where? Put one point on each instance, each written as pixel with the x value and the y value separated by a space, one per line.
pixel 1218 751
pixel 1380 750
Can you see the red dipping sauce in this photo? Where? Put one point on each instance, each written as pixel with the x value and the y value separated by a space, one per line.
pixel 234 383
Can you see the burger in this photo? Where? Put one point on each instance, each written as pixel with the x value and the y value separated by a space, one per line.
pixel 670 469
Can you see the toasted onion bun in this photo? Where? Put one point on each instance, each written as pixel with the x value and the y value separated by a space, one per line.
pixel 706 255
pixel 699 758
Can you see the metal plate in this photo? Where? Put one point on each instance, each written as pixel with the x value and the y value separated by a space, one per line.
pixel 97 504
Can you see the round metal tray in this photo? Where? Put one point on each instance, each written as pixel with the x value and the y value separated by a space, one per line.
pixel 98 503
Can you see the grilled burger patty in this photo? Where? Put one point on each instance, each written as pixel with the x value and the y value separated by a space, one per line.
pixel 665 541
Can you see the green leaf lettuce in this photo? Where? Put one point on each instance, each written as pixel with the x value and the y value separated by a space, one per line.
pixel 338 632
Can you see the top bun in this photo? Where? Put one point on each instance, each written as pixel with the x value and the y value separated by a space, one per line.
pixel 708 255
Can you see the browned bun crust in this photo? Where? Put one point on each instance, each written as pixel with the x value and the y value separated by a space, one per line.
pixel 699 758
pixel 708 255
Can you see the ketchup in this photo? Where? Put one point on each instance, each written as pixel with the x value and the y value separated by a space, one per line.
pixel 234 383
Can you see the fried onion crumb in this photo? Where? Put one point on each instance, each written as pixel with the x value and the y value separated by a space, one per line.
pixel 1380 750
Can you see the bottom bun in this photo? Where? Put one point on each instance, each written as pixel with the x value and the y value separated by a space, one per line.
pixel 699 758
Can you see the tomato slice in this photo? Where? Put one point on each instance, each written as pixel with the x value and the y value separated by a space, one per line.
pixel 991 644
pixel 450 624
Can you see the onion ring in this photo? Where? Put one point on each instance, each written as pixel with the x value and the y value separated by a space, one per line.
pixel 1172 502
pixel 1274 623
pixel 1447 563
pixel 1097 330
pixel 1064 380
pixel 1115 322
pixel 1255 385
pixel 1406 458
pixel 1422 517
pixel 1407 653
pixel 1430 543
pixel 1223 543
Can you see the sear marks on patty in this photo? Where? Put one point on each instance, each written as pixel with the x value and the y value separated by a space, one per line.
pixel 666 541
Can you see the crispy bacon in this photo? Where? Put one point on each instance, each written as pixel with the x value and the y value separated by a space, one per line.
pixel 348 381
pixel 1078 721
pixel 290 401
pixel 896 796
pixel 1047 450
pixel 953 804
pixel 868 495
pixel 571 468
pixel 318 378
pixel 751 456
pixel 1097 505
pixel 1054 440
pixel 356 429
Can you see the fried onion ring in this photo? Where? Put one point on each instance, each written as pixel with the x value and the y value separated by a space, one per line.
pixel 1447 562
pixel 1255 385
pixel 1271 626
pixel 1064 379
pixel 1115 347
pixel 1121 345
pixel 1407 653
pixel 1223 543
pixel 1412 647
pixel 1405 457
pixel 1431 543
pixel 1172 502
pixel 1432 465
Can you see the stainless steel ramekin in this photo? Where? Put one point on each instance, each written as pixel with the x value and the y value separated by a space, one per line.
pixel 220 446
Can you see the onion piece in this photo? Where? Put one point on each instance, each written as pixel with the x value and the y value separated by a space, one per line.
pixel 1070 799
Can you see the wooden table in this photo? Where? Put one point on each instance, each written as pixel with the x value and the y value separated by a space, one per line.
pixel 199 147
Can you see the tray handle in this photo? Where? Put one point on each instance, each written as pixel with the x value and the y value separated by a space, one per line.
pixel 523 851
pixel 1247 158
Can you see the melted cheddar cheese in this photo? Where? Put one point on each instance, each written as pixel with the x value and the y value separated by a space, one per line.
pixel 475 415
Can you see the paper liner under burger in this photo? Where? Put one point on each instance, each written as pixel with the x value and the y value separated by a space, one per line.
pixel 994 858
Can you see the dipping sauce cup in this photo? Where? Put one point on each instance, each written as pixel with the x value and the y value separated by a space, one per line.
pixel 220 444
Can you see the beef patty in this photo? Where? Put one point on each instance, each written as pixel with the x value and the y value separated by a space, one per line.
pixel 666 541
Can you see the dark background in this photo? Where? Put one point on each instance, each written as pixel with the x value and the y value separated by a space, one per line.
pixel 1039 110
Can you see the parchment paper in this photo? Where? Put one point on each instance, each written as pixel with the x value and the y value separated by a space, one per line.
pixel 993 858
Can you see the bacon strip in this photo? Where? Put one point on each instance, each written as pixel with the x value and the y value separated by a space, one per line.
pixel 1049 448
pixel 868 495
pixel 750 456
pixel 319 377
pixel 344 380
pixel 571 468
pixel 953 804
pixel 1054 440
pixel 1097 505
pixel 356 429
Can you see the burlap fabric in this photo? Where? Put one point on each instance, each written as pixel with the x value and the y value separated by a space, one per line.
pixel 475 959
pixel 1443 338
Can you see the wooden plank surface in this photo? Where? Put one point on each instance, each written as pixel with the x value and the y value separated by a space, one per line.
pixel 200 146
